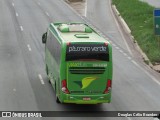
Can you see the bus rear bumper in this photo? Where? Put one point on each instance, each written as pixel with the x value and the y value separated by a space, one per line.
pixel 87 99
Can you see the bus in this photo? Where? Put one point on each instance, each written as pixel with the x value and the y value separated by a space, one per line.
pixel 78 63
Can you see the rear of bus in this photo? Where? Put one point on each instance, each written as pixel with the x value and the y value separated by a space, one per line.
pixel 87 73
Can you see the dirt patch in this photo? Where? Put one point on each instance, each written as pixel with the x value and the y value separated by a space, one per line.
pixel 157 68
pixel 78 5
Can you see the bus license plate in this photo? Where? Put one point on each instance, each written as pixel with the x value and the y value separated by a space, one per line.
pixel 86 98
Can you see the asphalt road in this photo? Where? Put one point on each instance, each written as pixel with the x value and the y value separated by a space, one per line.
pixel 22 23
pixel 155 3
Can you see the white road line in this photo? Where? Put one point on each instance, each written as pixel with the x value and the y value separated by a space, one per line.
pixel 153 78
pixel 85 14
pixel 124 54
pixel 21 28
pixel 13 4
pixel 47 13
pixel 117 48
pixel 17 14
pixel 129 58
pixel 114 45
pixel 39 3
pixel 41 79
pixel 14 90
pixel 29 47
pixel 134 62
pixel 121 51
pixel 119 29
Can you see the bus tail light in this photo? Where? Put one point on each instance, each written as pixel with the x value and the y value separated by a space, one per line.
pixel 108 87
pixel 68 43
pixel 106 43
pixel 64 87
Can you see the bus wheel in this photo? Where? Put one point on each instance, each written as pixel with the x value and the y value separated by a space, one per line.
pixel 57 100
pixel 47 69
pixel 47 74
pixel 49 81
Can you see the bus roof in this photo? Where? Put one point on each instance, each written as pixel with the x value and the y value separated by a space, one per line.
pixel 76 32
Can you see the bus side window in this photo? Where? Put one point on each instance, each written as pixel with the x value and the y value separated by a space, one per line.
pixel 55 49
pixel 48 45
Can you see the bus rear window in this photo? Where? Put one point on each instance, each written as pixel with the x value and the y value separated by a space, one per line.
pixel 87 52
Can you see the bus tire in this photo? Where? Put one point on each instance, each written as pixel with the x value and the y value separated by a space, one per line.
pixel 49 81
pixel 47 69
pixel 47 74
pixel 57 100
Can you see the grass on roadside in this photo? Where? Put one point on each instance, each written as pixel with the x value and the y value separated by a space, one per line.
pixel 139 17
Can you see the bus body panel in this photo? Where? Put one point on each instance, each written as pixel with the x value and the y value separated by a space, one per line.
pixel 86 79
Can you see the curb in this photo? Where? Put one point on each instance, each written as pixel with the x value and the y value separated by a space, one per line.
pixel 128 31
pixel 67 1
pixel 124 24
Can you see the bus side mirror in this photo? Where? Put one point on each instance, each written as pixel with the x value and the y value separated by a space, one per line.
pixel 44 38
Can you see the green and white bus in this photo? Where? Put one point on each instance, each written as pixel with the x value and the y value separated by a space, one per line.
pixel 78 63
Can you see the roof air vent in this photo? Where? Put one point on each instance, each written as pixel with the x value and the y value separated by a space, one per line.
pixel 74 28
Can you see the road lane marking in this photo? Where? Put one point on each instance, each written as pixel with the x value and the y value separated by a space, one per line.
pixel 117 48
pixel 134 62
pixel 114 45
pixel 16 14
pixel 14 90
pixel 47 13
pixel 153 78
pixel 39 3
pixel 13 4
pixel 41 79
pixel 29 47
pixel 124 54
pixel 130 58
pixel 121 51
pixel 21 28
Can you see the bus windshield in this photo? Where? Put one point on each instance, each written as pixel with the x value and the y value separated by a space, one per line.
pixel 87 52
